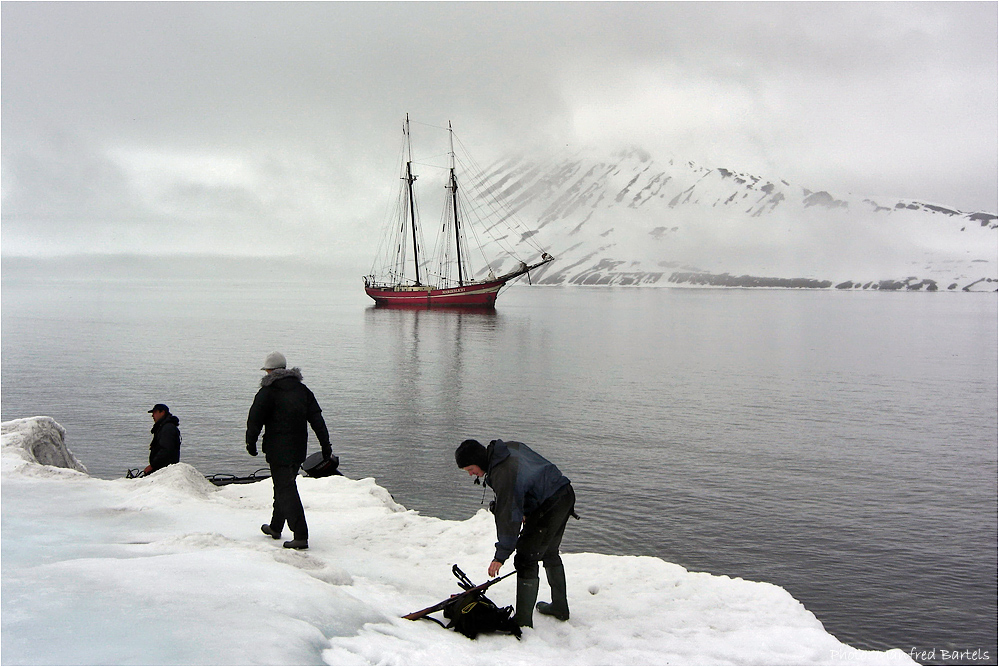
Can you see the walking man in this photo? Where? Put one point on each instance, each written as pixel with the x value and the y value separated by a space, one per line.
pixel 283 408
pixel 534 501
pixel 165 447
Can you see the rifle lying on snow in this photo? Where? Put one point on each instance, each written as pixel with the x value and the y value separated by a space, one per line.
pixel 316 465
pixel 218 479
pixel 470 592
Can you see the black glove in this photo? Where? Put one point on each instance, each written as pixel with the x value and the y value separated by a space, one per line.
pixel 252 449
pixel 327 453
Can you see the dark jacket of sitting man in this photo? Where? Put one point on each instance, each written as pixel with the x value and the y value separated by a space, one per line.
pixel 165 446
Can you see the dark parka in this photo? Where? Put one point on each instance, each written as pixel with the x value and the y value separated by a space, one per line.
pixel 165 447
pixel 522 480
pixel 284 408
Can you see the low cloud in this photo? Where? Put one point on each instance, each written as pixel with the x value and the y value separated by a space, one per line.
pixel 247 127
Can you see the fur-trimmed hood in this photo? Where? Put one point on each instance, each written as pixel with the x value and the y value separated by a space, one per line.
pixel 280 374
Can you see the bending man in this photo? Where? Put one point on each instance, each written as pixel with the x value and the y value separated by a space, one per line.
pixel 534 500
pixel 283 408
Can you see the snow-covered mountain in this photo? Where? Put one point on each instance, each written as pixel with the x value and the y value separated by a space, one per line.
pixel 629 218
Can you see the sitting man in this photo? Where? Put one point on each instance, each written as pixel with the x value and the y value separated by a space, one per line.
pixel 165 447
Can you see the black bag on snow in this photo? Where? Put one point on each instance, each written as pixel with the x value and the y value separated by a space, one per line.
pixel 316 466
pixel 479 614
pixel 472 615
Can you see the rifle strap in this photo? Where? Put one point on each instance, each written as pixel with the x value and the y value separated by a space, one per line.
pixel 431 618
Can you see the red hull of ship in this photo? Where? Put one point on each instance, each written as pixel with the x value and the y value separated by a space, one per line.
pixel 481 295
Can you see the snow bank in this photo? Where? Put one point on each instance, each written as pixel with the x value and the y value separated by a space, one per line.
pixel 38 440
pixel 171 569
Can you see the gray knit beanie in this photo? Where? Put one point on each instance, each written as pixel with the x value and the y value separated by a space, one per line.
pixel 274 360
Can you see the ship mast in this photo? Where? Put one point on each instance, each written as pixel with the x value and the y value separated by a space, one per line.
pixel 412 208
pixel 453 187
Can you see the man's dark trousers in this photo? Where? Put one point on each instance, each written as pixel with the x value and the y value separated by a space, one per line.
pixel 287 503
pixel 541 536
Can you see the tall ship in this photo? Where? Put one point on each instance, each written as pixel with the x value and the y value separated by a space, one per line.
pixel 405 274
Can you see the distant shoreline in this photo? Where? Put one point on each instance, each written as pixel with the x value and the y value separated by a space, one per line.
pixel 315 269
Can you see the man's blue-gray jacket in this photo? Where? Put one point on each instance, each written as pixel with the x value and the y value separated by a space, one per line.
pixel 522 480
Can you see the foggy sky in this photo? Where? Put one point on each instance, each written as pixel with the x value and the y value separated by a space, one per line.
pixel 263 128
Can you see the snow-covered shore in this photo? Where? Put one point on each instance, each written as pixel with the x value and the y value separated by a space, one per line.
pixel 170 569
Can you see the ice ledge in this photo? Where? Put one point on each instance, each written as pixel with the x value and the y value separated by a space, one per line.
pixel 36 440
pixel 171 543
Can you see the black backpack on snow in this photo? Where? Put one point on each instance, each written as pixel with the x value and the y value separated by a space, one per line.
pixel 474 614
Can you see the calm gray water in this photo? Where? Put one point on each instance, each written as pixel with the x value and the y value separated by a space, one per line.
pixel 841 445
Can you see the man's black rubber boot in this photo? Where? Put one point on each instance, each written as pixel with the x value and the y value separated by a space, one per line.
pixel 559 606
pixel 296 544
pixel 267 530
pixel 527 595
